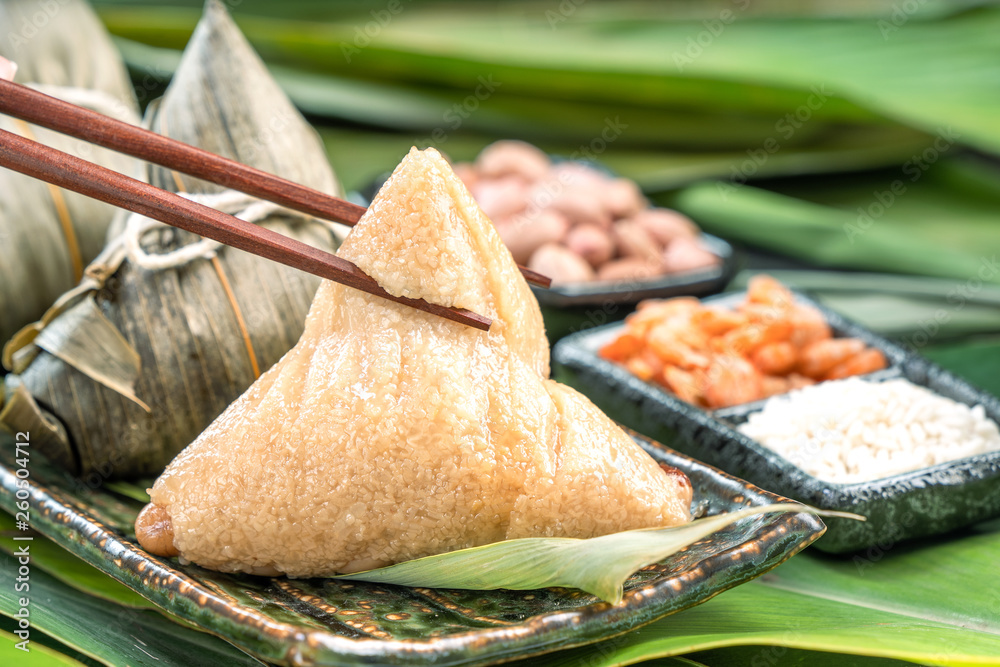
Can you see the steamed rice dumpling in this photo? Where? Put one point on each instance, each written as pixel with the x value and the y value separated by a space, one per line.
pixel 388 434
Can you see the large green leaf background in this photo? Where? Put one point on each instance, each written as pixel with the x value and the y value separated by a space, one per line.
pixel 705 96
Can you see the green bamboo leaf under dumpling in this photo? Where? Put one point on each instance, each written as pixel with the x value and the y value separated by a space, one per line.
pixel 598 565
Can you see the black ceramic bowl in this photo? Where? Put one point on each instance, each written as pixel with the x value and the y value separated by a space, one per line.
pixel 688 283
pixel 923 502
pixel 571 308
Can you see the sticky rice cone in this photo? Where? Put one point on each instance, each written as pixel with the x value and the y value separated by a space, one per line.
pixel 387 434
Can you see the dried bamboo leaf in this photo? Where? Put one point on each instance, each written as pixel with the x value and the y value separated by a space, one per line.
pixel 86 340
pixel 201 330
pixel 48 235
pixel 21 413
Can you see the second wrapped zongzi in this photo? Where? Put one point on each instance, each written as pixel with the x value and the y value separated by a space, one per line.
pixel 166 329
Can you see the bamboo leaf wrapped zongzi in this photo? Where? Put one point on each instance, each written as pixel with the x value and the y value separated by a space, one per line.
pixel 47 235
pixel 202 320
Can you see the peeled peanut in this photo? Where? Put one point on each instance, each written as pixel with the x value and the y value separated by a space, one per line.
pixel 467 173
pixel 686 254
pixel 592 243
pixel 579 175
pixel 500 198
pixel 523 235
pixel 634 241
pixel 155 531
pixel 666 225
pixel 580 205
pixel 561 264
pixel 629 269
pixel 623 198
pixel 513 158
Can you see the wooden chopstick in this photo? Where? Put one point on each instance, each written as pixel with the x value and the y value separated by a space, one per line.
pixel 35 107
pixel 72 173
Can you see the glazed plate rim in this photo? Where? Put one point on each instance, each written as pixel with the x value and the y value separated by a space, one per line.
pixel 179 593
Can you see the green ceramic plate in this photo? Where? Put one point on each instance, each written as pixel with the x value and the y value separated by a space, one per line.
pixel 324 622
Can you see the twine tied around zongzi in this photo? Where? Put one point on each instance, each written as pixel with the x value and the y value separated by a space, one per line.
pixel 235 203
pixel 96 100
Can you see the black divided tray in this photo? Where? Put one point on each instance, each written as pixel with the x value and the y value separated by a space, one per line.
pixel 924 502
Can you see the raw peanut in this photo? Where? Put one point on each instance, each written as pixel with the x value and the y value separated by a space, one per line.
pixel 686 254
pixel 592 243
pixel 561 264
pixel 523 236
pixel 500 198
pixel 467 173
pixel 634 241
pixel 580 205
pixel 666 225
pixel 623 199
pixel 631 269
pixel 578 176
pixel 155 531
pixel 513 158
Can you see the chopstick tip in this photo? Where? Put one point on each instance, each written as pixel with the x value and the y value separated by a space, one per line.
pixel 535 278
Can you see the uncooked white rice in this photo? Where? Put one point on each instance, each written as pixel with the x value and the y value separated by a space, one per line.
pixel 851 430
